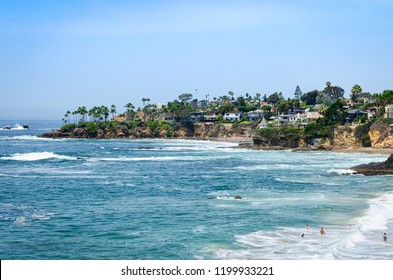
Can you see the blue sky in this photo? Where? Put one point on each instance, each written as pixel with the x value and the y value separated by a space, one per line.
pixel 58 55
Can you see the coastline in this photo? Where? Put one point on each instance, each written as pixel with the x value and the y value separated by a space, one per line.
pixel 247 143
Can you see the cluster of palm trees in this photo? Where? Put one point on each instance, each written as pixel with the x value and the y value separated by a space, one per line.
pixel 97 114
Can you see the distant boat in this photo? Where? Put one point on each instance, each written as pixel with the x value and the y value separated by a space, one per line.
pixel 7 127
pixel 26 126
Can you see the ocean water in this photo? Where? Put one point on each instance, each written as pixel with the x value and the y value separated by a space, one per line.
pixel 174 199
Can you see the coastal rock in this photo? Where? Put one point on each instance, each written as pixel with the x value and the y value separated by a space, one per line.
pixel 381 136
pixel 344 136
pixel 376 168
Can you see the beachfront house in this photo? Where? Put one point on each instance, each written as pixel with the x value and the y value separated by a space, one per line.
pixel 253 116
pixel 210 118
pixel 232 116
pixel 353 114
pixel 389 111
pixel 196 116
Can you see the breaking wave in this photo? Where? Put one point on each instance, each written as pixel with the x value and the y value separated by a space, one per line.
pixel 36 156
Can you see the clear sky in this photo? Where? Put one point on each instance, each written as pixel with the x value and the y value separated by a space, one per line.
pixel 58 55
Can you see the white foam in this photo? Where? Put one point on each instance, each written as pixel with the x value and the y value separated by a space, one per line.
pixel 252 168
pixel 165 158
pixel 342 171
pixel 18 127
pixel 36 156
pixel 378 214
pixel 288 243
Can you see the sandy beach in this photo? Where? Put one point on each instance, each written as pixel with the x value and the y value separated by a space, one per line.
pixel 367 150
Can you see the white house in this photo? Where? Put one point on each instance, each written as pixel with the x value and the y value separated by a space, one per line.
pixel 389 111
pixel 233 116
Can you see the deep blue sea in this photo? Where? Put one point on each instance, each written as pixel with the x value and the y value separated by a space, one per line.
pixel 174 199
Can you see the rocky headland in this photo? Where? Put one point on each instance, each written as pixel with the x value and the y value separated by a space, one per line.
pixel 375 168
pixel 231 132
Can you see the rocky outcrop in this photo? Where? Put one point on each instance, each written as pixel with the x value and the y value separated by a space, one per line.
pixel 375 168
pixel 381 136
pixel 280 142
pixel 197 130
pixel 344 137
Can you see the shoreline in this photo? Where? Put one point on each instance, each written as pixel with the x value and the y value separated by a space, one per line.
pixel 245 142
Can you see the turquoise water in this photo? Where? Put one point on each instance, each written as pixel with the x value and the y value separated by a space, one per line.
pixel 174 199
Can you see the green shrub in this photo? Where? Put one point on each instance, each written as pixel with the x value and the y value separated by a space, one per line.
pixel 92 128
pixel 361 133
pixel 315 130
pixel 68 127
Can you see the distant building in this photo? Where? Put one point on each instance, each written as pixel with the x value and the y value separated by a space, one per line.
pixel 232 116
pixel 253 116
pixel 353 114
pixel 210 118
pixel 263 123
pixel 313 116
pixel 389 111
pixel 196 116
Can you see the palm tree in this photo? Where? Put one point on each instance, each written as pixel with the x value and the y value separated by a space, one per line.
pixel 83 112
pixel 130 110
pixel 74 114
pixel 105 112
pixel 67 116
pixel 356 90
pixel 113 110
pixel 144 107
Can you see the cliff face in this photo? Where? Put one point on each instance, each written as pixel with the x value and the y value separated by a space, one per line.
pixel 381 136
pixel 220 130
pixel 344 137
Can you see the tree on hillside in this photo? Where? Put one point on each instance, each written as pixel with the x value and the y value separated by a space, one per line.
pixel 151 109
pixel 225 108
pixel 274 98
pixel 67 116
pixel 331 94
pixel 387 97
pixel 294 103
pixel 130 110
pixel 310 98
pixel 335 114
pixel 144 100
pixel 356 91
pixel 282 106
pixel 298 93
pixel 83 111
pixel 105 112
pixel 185 97
pixel 113 110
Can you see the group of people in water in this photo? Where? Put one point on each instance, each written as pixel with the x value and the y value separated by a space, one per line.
pixel 322 232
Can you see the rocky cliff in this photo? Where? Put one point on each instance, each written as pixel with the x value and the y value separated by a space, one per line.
pixel 197 130
pixel 381 136
pixel 345 137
